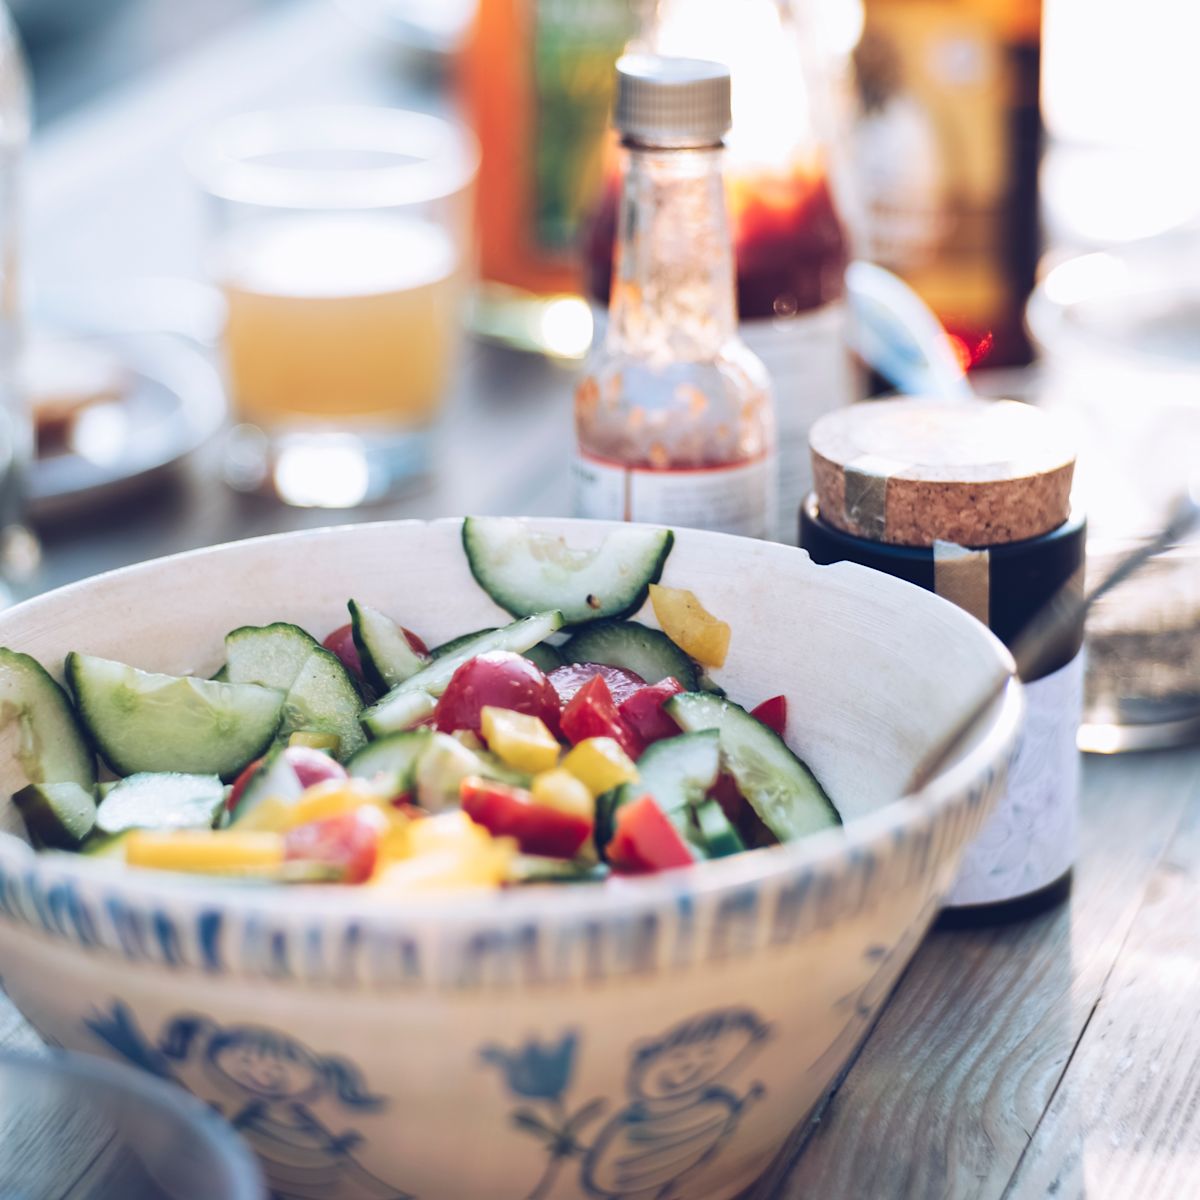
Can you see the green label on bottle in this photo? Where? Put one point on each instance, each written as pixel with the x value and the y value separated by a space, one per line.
pixel 575 46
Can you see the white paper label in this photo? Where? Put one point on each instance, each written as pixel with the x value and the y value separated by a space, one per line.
pixel 812 373
pixel 1030 838
pixel 734 499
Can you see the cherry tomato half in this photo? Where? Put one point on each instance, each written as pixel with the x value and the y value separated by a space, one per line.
pixel 313 766
pixel 349 842
pixel 568 680
pixel 500 680
pixel 773 713
pixel 643 711
pixel 592 713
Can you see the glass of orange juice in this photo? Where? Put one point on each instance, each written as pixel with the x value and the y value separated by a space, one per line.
pixel 342 243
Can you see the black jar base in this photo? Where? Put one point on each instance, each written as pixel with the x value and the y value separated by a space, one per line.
pixel 1020 908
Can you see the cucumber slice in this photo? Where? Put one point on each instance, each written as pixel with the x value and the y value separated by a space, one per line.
pixel 269 655
pixel 321 696
pixel 533 868
pixel 58 816
pixel 275 779
pixel 638 648
pixel 161 800
pixel 717 834
pixel 780 788
pixel 543 656
pixel 400 708
pixel 51 745
pixel 146 722
pixel 445 762
pixel 527 572
pixel 443 765
pixel 677 772
pixel 106 845
pixel 392 758
pixel 387 658
pixel 221 674
pixel 323 699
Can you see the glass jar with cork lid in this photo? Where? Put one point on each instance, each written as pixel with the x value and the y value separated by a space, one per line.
pixel 972 500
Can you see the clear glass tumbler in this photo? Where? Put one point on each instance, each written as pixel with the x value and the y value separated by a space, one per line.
pixel 341 238
pixel 74 1125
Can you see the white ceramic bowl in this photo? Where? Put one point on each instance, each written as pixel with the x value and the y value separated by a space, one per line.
pixel 642 1039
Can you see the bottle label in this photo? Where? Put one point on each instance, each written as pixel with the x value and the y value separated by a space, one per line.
pixel 1029 841
pixel 812 373
pixel 733 499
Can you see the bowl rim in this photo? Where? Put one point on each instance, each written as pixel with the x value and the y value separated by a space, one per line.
pixel 829 848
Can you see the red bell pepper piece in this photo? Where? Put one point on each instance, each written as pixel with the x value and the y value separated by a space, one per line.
pixel 643 711
pixel 645 840
pixel 349 842
pixel 506 811
pixel 772 713
pixel 592 713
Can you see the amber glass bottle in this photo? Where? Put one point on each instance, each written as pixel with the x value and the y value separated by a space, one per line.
pixel 946 160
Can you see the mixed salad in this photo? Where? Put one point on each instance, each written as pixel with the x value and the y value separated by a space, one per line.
pixel 570 744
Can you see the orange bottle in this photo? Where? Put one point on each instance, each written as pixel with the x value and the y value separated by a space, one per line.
pixel 537 82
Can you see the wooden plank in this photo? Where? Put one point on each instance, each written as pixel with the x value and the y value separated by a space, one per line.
pixel 964 1061
pixel 1125 1120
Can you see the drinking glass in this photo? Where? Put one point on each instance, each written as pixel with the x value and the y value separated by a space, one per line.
pixel 341 238
pixel 75 1125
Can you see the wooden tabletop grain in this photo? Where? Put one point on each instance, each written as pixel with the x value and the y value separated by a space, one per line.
pixel 1054 1056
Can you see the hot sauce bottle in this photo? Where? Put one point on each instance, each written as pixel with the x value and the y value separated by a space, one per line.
pixel 673 415
pixel 790 241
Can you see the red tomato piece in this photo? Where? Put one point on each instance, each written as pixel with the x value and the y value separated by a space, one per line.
pixel 643 711
pixel 349 842
pixel 341 643
pixel 644 840
pixel 568 679
pixel 313 766
pixel 416 643
pixel 592 713
pixel 239 784
pixel 773 713
pixel 506 811
pixel 500 680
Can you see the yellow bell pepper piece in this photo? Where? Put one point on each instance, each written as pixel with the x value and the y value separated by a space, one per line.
pixel 690 625
pixel 315 741
pixel 600 764
pixel 521 740
pixel 445 852
pixel 203 850
pixel 331 798
pixel 561 790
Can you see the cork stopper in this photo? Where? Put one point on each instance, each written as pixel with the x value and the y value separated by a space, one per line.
pixel 912 472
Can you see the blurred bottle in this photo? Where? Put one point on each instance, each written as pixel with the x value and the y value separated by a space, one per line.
pixel 537 82
pixel 673 415
pixel 946 161
pixel 790 240
pixel 18 552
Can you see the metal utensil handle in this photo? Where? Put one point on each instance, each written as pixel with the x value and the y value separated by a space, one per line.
pixel 1053 628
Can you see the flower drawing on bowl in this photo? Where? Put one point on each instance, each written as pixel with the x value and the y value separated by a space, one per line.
pixel 269 1082
pixel 679 1111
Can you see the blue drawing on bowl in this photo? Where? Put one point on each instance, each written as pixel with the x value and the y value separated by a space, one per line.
pixel 679 1111
pixel 270 1081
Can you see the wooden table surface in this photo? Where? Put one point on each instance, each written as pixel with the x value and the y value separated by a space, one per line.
pixel 1056 1056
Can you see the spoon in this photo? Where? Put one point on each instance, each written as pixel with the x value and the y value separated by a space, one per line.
pixel 1042 642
